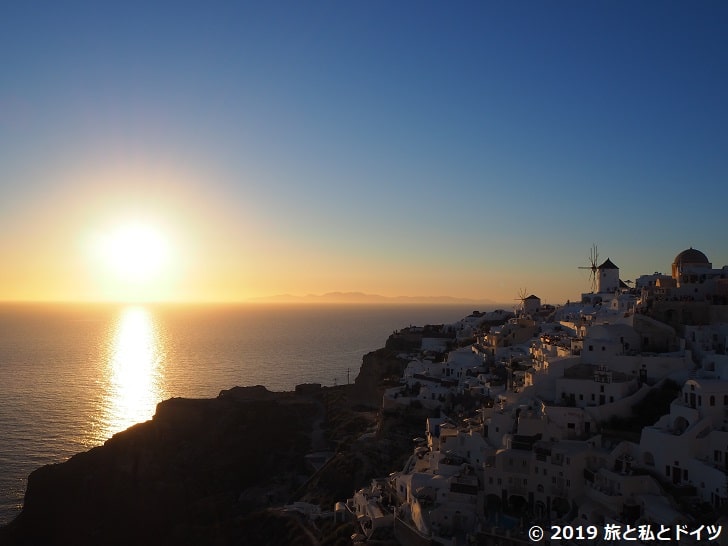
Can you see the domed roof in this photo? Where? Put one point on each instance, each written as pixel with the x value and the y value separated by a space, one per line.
pixel 691 256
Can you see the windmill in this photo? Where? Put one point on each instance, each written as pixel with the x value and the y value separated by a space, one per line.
pixel 592 267
pixel 522 297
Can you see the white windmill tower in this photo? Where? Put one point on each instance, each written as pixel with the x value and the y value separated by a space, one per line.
pixel 529 304
pixel 608 277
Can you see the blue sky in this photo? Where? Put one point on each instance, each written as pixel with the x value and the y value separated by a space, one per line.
pixel 413 148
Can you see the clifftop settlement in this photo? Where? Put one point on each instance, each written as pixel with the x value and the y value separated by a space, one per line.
pixel 612 410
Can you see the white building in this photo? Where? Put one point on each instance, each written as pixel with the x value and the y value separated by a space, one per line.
pixel 608 278
pixel 587 385
pixel 690 444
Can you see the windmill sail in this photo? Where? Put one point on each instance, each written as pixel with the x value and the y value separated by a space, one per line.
pixel 592 267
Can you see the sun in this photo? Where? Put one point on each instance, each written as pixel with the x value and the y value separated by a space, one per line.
pixel 135 252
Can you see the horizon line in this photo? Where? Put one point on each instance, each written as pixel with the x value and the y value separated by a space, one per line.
pixel 272 300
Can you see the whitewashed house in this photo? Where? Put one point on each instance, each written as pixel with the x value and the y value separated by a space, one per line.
pixel 690 444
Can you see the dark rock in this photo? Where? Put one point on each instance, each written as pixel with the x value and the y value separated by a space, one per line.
pixel 377 366
pixel 201 471
pixel 180 474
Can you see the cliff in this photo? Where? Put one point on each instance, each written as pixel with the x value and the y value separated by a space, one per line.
pixel 380 369
pixel 180 478
pixel 211 471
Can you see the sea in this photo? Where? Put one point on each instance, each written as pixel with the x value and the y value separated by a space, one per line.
pixel 73 375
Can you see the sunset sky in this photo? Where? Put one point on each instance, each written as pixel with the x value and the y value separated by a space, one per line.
pixel 192 151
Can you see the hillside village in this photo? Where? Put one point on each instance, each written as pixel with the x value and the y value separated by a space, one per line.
pixel 611 410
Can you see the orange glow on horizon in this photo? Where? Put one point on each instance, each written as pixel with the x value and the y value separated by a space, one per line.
pixel 146 233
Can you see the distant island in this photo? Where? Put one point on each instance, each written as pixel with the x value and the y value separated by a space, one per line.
pixel 360 297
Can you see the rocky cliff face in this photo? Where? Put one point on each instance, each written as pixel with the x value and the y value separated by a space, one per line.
pixel 204 471
pixel 175 479
pixel 379 370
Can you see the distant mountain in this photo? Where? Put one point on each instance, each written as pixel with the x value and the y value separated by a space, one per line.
pixel 360 297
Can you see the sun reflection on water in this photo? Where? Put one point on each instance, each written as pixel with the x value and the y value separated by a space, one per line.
pixel 135 366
